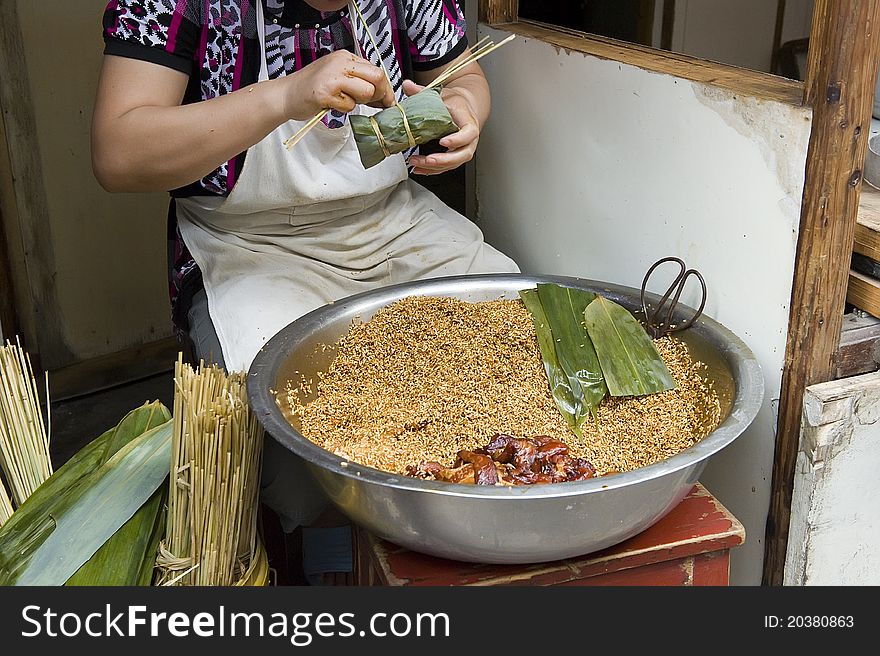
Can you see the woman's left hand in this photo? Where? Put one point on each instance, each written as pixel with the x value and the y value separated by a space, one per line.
pixel 460 146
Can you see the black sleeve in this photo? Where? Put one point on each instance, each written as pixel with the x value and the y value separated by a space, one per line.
pixel 159 31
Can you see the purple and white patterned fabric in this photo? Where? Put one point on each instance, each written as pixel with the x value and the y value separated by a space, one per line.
pixel 215 43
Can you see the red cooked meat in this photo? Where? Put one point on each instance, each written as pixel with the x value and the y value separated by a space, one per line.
pixel 508 460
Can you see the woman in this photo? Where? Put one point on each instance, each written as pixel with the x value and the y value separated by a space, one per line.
pixel 198 96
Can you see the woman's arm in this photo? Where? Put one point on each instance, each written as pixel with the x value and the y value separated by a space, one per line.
pixel 467 96
pixel 143 139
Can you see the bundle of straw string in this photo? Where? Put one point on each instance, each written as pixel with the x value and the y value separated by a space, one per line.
pixel 24 439
pixel 211 533
pixel 480 50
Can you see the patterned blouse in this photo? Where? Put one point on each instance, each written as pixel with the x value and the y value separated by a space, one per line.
pixel 215 42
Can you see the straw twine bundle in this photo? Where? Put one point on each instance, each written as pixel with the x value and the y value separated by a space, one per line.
pixel 211 535
pixel 24 439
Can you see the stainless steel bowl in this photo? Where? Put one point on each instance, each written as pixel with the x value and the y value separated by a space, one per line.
pixel 497 524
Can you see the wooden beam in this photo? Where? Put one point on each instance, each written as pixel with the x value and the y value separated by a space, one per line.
pixel 777 34
pixel 16 309
pixel 822 10
pixel 863 292
pixel 8 323
pixel 859 351
pixel 842 81
pixel 646 22
pixel 496 12
pixel 26 185
pixel 667 24
pixel 867 239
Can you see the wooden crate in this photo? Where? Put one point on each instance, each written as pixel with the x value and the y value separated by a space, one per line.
pixel 689 546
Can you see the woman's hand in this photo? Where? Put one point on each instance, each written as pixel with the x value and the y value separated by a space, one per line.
pixel 466 94
pixel 337 81
pixel 460 146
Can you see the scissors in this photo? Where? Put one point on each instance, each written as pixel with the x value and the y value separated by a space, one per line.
pixel 659 325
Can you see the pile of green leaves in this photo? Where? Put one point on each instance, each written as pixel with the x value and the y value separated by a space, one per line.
pixel 592 347
pixel 99 518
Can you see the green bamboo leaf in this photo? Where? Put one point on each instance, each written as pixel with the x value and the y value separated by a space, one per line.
pixel 630 362
pixel 568 400
pixel 111 495
pixel 135 423
pixel 426 114
pixel 564 309
pixel 129 556
pixel 144 576
pixel 32 522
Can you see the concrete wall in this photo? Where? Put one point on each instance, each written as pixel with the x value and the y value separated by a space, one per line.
pixel 834 537
pixel 597 169
pixel 109 250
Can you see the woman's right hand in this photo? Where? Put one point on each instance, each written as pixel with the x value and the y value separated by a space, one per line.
pixel 337 81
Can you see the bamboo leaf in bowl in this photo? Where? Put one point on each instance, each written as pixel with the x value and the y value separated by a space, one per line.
pixel 630 362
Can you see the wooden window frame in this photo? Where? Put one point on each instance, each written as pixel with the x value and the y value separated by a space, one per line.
pixel 504 14
pixel 840 81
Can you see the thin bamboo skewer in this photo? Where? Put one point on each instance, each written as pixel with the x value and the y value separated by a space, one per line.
pixel 467 62
pixel 295 139
pixel 24 441
pixel 317 118
pixel 476 54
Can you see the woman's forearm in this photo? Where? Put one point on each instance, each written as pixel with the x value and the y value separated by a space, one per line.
pixel 158 148
pixel 143 139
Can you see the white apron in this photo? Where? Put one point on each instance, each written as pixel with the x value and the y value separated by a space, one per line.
pixel 307 226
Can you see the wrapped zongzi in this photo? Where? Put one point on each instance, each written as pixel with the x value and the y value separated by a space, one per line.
pixel 416 120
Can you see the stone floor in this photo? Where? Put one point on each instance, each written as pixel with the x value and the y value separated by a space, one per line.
pixel 75 422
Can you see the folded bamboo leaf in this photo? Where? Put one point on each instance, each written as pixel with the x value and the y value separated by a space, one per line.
pixel 564 309
pixel 110 496
pixel 129 556
pixel 135 423
pixel 568 400
pixel 32 522
pixel 630 363
pixel 426 114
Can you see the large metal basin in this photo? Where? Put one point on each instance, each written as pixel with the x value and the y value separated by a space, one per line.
pixel 497 524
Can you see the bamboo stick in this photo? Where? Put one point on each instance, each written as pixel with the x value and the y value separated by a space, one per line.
pixel 24 440
pixel 217 454
pixel 480 49
pixel 468 61
pixel 295 139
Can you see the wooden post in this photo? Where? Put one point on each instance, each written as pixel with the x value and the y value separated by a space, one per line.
pixel 777 35
pixel 24 183
pixel 844 53
pixel 8 324
pixel 495 12
pixel 822 11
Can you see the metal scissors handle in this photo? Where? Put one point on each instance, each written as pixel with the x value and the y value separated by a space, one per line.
pixel 658 327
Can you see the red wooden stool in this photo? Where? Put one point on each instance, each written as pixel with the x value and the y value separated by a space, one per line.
pixel 689 546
